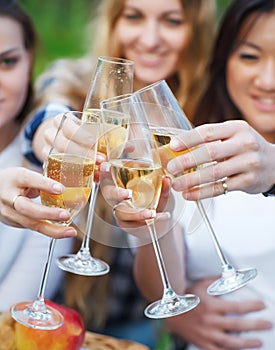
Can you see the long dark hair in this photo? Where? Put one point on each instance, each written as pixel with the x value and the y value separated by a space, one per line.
pixel 13 10
pixel 216 104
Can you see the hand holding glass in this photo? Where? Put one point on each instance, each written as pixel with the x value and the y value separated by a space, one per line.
pixel 71 161
pixel 135 165
pixel 166 119
pixel 113 76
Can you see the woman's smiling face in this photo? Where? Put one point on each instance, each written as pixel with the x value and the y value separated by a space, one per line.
pixel 15 66
pixel 153 34
pixel 251 76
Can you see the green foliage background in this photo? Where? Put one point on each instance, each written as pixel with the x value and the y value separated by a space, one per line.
pixel 61 26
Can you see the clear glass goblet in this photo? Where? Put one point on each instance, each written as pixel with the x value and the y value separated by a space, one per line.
pixel 71 161
pixel 113 76
pixel 135 165
pixel 166 119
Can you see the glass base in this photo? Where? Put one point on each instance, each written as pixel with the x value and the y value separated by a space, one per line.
pixel 86 267
pixel 172 306
pixel 230 283
pixel 37 315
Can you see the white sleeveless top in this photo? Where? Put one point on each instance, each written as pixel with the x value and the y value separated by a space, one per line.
pixel 245 226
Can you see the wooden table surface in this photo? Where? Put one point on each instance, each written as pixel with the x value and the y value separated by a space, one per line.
pixel 95 341
pixel 92 341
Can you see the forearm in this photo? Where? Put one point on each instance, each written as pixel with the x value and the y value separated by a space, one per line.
pixel 269 167
pixel 34 131
pixel 38 143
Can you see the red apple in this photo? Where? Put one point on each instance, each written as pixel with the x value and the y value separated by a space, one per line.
pixel 69 336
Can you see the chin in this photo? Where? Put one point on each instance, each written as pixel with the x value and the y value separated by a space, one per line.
pixel 149 76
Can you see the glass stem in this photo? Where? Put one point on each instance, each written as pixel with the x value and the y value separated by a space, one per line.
pixel 227 269
pixel 84 251
pixel 168 293
pixel 39 303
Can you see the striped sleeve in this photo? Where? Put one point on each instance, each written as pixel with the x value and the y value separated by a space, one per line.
pixel 47 112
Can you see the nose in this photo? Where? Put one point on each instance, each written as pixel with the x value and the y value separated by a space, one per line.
pixel 266 76
pixel 150 36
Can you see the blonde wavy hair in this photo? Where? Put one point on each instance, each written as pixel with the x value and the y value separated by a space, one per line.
pixel 191 77
pixel 70 78
pixel 67 81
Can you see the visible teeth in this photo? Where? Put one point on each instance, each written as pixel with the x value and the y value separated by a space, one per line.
pixel 150 56
pixel 268 101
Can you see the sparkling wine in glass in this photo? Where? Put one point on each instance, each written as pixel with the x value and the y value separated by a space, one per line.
pixel 135 165
pixel 166 119
pixel 113 76
pixel 71 161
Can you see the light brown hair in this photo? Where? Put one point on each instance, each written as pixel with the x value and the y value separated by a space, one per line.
pixel 191 77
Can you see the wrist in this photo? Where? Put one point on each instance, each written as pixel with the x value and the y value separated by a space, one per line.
pixel 271 191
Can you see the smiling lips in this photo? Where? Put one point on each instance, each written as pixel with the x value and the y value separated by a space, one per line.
pixel 268 101
pixel 265 104
pixel 150 60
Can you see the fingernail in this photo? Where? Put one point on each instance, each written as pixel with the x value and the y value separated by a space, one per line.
pixel 163 216
pixel 70 232
pixel 149 214
pixel 58 188
pixel 257 344
pixel 175 143
pixel 124 193
pixel 64 215
pixel 100 158
pixel 186 195
pixel 171 167
pixel 130 194
pixel 105 167
pixel 267 325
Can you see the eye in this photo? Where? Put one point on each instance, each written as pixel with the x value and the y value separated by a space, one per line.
pixel 8 62
pixel 132 16
pixel 248 56
pixel 174 21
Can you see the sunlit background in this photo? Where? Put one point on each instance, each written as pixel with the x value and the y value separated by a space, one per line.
pixel 62 24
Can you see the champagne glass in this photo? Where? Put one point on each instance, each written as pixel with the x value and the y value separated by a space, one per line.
pixel 166 119
pixel 113 76
pixel 135 165
pixel 71 161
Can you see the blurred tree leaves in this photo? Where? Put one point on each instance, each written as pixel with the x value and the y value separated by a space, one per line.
pixel 61 27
